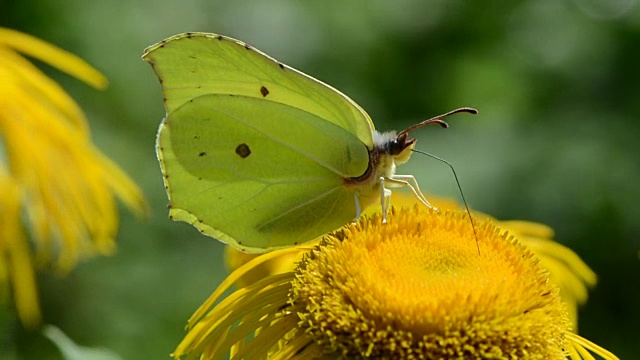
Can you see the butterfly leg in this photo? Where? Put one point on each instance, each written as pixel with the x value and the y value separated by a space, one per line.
pixel 385 199
pixel 410 182
pixel 358 208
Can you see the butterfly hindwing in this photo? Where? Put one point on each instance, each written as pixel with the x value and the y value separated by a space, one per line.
pixel 258 174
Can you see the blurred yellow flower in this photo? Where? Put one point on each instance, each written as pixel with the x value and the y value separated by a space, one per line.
pixel 414 288
pixel 58 189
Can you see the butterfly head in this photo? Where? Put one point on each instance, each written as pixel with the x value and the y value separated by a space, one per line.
pixel 398 146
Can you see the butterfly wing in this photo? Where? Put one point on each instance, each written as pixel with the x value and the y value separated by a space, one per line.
pixel 203 64
pixel 253 172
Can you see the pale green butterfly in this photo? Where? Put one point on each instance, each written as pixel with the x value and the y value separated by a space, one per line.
pixel 261 156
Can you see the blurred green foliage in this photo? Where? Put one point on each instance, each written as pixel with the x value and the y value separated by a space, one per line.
pixel 556 140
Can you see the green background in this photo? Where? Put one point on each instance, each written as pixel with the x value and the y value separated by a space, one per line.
pixel 556 140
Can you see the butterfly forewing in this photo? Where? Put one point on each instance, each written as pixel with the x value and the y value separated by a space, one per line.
pixel 195 64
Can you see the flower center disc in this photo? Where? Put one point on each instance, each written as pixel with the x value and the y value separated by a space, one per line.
pixel 418 283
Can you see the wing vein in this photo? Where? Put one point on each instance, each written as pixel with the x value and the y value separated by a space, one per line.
pixel 304 203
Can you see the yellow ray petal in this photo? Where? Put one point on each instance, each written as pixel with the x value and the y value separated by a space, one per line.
pixel 54 56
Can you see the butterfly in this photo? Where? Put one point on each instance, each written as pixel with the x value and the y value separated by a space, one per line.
pixel 262 156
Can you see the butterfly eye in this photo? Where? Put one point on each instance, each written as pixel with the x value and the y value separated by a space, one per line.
pixel 395 147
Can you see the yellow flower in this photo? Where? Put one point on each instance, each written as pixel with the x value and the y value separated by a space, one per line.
pixel 413 288
pixel 566 269
pixel 58 189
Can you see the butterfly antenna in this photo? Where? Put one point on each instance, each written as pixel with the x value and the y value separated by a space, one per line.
pixel 439 119
pixel 475 234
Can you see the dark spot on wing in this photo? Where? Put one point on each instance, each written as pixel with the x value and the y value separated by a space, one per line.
pixel 248 47
pixel 202 154
pixel 243 150
pixel 281 66
pixel 264 91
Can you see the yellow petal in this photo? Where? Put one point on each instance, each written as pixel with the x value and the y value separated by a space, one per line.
pixel 15 259
pixel 56 57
